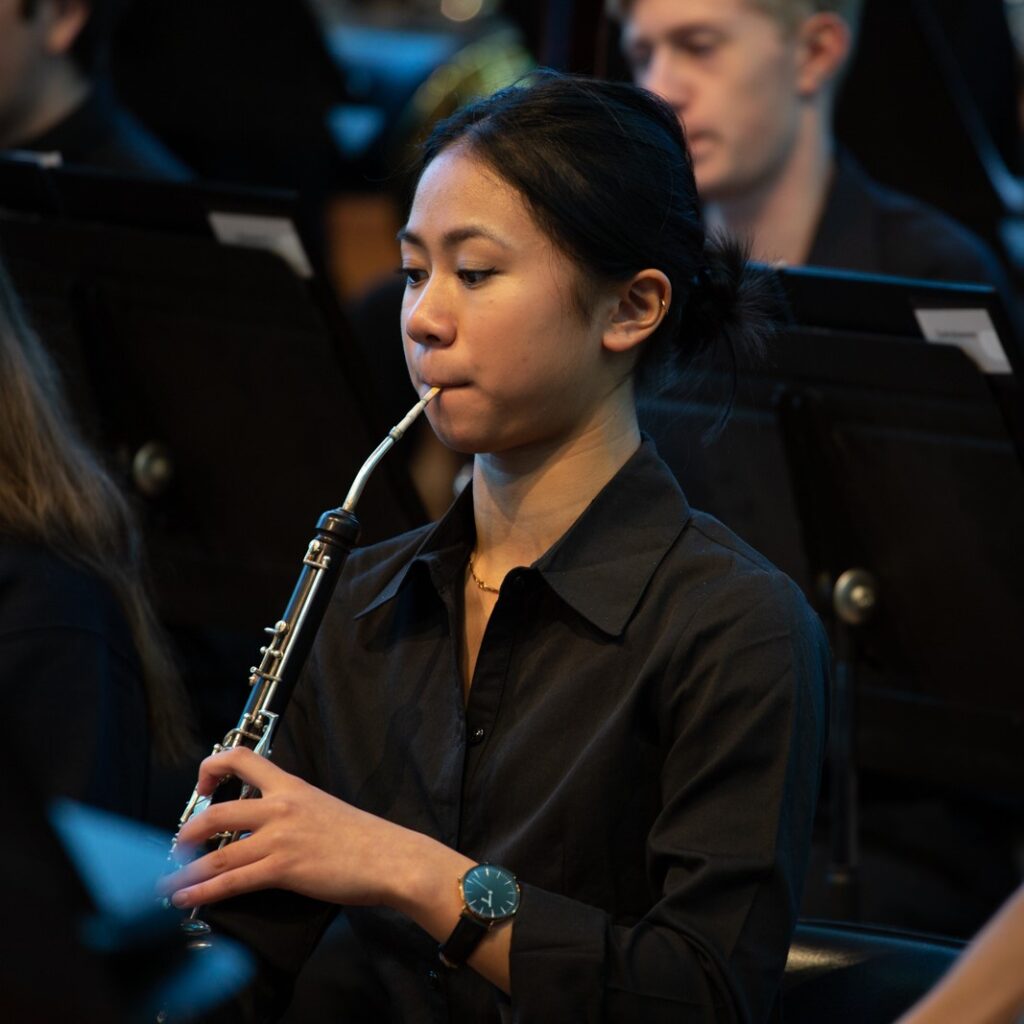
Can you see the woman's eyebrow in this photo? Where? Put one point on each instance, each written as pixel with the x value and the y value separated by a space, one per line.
pixel 453 237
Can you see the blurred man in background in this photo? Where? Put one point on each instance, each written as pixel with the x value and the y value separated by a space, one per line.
pixel 54 96
pixel 754 83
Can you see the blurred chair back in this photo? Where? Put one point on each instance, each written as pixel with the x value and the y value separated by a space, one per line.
pixel 855 974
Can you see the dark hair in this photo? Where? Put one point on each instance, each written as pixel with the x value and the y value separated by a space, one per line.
pixel 605 170
pixel 91 49
pixel 54 492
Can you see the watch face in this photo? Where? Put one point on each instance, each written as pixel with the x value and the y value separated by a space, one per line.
pixel 491 893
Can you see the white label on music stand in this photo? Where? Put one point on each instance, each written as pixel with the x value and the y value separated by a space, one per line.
pixel 276 234
pixel 971 330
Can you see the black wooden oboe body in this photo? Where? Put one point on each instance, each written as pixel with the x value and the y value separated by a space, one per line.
pixel 273 680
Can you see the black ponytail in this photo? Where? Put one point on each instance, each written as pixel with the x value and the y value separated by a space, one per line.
pixel 726 319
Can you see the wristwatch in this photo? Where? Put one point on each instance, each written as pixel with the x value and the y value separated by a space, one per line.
pixel 490 895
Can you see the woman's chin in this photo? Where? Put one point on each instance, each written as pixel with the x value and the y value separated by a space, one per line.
pixel 461 442
pixel 455 428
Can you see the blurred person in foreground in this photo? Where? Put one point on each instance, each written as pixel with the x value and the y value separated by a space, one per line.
pixel 55 95
pixel 986 984
pixel 754 83
pixel 88 688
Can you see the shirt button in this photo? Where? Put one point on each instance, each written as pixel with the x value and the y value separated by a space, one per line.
pixel 434 980
pixel 477 736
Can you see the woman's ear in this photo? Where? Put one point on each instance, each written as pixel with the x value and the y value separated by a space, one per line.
pixel 640 305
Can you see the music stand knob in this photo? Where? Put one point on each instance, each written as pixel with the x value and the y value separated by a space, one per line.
pixel 855 596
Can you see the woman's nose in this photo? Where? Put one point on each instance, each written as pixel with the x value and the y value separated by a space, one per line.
pixel 429 318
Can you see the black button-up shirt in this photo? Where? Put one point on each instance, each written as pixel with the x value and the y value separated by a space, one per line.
pixel 641 746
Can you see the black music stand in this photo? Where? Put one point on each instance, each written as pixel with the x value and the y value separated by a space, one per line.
pixel 897 461
pixel 220 380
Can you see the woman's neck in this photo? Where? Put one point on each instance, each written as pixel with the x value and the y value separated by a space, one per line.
pixel 524 501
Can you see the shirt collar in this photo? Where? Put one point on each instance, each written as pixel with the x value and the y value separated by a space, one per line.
pixel 602 564
pixel 441 553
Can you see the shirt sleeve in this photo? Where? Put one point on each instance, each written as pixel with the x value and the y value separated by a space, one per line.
pixel 744 715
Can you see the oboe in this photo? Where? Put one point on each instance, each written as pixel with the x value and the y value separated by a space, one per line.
pixel 273 680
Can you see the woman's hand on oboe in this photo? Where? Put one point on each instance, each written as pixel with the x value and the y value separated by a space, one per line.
pixel 299 838
pixel 302 839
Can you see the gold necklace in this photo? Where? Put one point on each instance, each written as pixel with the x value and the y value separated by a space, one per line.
pixel 479 582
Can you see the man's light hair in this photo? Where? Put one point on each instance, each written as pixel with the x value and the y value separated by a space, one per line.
pixel 788 12
pixel 792 12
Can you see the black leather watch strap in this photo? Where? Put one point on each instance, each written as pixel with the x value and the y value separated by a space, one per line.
pixel 465 937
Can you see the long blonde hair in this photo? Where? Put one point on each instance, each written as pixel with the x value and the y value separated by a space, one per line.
pixel 55 492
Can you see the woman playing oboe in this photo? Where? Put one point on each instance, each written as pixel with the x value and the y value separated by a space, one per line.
pixel 557 755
